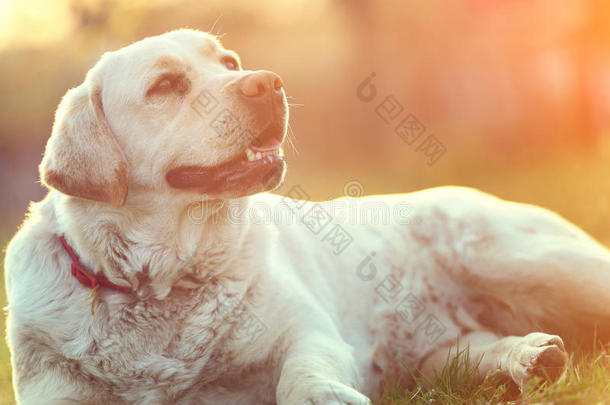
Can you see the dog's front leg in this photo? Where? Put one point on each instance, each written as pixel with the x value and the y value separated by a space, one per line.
pixel 319 370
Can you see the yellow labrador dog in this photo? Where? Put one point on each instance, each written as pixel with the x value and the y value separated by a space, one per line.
pixel 144 278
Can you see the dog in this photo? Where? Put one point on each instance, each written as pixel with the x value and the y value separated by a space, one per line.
pixel 144 278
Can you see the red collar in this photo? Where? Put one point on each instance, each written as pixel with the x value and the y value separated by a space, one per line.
pixel 87 278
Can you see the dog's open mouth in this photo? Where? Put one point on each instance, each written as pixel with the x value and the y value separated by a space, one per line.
pixel 260 166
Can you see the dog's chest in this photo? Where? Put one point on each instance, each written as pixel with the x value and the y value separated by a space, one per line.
pixel 167 347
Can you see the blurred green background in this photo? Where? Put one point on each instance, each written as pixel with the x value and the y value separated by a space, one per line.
pixel 517 92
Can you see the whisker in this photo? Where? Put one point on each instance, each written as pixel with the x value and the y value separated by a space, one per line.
pixel 290 136
pixel 290 139
pixel 211 30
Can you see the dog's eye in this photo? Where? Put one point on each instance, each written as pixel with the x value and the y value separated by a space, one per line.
pixel 182 85
pixel 230 63
pixel 168 84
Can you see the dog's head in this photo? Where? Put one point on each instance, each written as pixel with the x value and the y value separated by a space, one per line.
pixel 168 113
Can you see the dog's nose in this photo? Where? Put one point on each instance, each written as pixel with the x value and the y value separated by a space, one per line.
pixel 260 84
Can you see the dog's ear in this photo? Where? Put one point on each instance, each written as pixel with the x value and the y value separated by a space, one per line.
pixel 82 157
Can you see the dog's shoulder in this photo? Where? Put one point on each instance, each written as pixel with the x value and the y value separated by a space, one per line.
pixel 31 251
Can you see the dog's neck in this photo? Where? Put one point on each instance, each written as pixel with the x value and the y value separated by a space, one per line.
pixel 152 245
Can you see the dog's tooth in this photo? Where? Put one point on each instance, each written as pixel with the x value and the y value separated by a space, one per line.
pixel 258 155
pixel 249 154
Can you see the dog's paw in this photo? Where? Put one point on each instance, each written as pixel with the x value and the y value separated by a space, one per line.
pixel 537 355
pixel 338 394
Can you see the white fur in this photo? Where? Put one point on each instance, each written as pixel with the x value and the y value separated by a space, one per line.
pixel 233 308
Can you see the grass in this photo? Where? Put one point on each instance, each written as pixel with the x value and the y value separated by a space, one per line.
pixel 457 383
pixel 587 381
